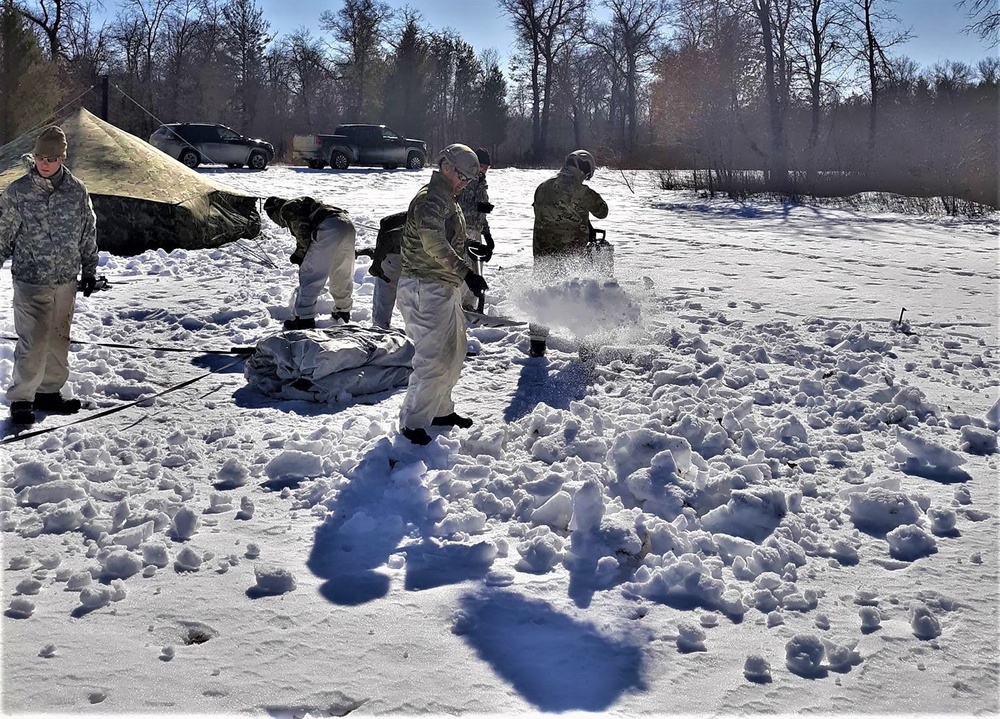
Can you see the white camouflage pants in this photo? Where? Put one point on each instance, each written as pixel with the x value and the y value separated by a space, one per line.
pixel 329 260
pixel 384 297
pixel 43 315
pixel 435 323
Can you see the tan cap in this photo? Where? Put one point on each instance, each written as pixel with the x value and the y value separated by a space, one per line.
pixel 51 143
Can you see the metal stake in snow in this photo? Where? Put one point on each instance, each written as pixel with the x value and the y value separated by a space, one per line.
pixel 900 320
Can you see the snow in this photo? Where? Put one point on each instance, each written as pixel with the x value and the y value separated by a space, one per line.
pixel 763 493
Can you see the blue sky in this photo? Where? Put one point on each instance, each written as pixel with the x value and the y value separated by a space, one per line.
pixel 936 23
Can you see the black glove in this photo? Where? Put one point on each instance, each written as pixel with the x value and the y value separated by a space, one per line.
pixel 484 207
pixel 296 259
pixel 88 283
pixel 376 271
pixel 489 245
pixel 476 283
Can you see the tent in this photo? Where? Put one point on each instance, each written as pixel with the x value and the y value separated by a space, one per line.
pixel 143 198
pixel 330 365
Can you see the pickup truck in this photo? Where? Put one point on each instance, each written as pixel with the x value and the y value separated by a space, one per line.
pixel 368 145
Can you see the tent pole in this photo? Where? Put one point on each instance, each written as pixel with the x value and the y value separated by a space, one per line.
pixel 104 97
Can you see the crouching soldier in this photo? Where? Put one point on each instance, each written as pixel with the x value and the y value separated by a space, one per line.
pixel 48 227
pixel 324 251
pixel 387 263
pixel 563 205
pixel 475 203
pixel 429 298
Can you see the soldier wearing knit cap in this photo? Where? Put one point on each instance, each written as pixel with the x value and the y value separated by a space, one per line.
pixel 49 230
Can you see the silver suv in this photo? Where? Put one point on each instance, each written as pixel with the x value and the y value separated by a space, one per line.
pixel 196 143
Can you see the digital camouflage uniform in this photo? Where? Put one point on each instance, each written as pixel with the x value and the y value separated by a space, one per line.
pixel 324 250
pixel 433 250
pixel 48 228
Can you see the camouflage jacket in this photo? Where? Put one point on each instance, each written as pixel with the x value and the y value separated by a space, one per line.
pixel 433 244
pixel 301 216
pixel 475 192
pixel 48 228
pixel 563 205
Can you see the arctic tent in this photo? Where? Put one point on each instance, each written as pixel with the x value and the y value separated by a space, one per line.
pixel 143 198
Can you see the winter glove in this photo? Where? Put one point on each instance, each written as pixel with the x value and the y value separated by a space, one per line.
pixel 484 207
pixel 476 283
pixel 88 283
pixel 296 258
pixel 376 271
pixel 488 236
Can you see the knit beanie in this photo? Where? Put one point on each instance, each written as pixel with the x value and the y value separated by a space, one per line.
pixel 51 143
pixel 484 156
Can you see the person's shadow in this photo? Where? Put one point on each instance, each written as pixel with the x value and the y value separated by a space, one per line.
pixel 538 383
pixel 383 509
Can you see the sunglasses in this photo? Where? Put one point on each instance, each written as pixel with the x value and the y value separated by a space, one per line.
pixel 44 158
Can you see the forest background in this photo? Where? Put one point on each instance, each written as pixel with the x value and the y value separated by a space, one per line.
pixel 801 97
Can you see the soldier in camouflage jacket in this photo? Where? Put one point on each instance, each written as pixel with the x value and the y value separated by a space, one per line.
pixel 434 267
pixel 475 203
pixel 563 206
pixel 48 228
pixel 324 252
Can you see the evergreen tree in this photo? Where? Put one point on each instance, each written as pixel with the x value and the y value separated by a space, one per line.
pixel 405 107
pixel 29 87
pixel 494 114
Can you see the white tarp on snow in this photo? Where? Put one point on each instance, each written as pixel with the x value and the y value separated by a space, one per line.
pixel 330 365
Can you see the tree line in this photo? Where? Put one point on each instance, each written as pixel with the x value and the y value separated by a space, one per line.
pixel 789 95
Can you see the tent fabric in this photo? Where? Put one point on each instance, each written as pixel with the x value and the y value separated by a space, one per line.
pixel 144 199
pixel 330 365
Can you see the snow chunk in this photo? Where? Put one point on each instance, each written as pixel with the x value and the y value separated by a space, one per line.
pixel 187 560
pixel 52 492
pixel 880 509
pixel 841 657
pixel 690 637
pixel 95 597
pixel 923 622
pixel 978 440
pixel 912 450
pixel 757 669
pixel 184 524
pixel 292 463
pixel 555 513
pixel 117 563
pixel 804 654
pixel 232 474
pixel 20 608
pixel 29 474
pixel 272 580
pixel 540 553
pixel 909 542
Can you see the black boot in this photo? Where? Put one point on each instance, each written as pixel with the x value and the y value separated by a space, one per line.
pixel 343 315
pixel 22 413
pixel 452 420
pixel 56 403
pixel 298 323
pixel 417 436
pixel 537 348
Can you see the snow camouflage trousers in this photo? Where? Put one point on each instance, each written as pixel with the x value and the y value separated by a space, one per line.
pixel 50 234
pixel 328 261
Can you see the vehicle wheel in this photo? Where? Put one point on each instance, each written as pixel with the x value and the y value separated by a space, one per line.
pixel 340 161
pixel 415 161
pixel 190 158
pixel 316 164
pixel 257 161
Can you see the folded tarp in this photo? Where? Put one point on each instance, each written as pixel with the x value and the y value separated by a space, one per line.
pixel 330 365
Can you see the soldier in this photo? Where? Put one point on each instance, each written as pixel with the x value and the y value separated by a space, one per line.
pixel 475 203
pixel 324 251
pixel 563 205
pixel 429 299
pixel 48 227
pixel 387 263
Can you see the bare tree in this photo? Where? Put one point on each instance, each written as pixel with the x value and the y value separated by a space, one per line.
pixel 544 28
pixel 245 37
pixel 631 44
pixel 985 19
pixel 873 21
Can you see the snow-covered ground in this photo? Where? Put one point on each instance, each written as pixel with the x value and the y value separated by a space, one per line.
pixel 767 496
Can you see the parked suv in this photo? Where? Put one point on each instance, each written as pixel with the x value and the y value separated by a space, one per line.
pixel 195 143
